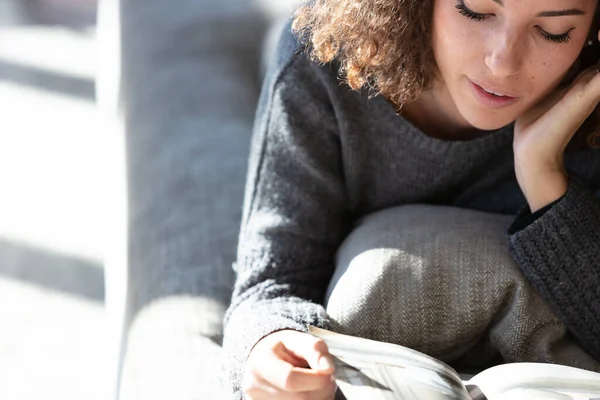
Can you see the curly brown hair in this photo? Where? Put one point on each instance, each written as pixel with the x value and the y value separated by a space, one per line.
pixel 384 44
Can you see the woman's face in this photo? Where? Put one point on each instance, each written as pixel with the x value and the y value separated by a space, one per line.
pixel 520 49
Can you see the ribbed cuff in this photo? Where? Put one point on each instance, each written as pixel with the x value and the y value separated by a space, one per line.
pixel 251 321
pixel 559 253
pixel 525 217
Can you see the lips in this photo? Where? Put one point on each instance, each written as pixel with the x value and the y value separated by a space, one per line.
pixel 492 97
pixel 493 89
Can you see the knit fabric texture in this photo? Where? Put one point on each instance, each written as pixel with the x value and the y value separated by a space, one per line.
pixel 323 156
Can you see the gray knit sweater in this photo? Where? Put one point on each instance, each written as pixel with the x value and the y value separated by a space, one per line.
pixel 323 156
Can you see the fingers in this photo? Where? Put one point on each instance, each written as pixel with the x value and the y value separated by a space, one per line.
pixel 277 368
pixel 564 111
pixel 260 389
pixel 311 349
pixel 256 388
pixel 582 97
pixel 285 376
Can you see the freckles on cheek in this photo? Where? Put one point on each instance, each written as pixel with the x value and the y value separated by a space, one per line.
pixel 450 27
pixel 540 71
pixel 453 44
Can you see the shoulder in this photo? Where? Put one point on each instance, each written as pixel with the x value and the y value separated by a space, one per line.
pixel 300 88
pixel 291 69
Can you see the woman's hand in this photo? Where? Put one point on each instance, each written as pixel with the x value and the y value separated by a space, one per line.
pixel 289 365
pixel 543 133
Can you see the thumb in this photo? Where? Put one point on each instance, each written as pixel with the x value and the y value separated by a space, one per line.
pixel 311 349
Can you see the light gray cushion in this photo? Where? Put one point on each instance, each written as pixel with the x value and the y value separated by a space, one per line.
pixel 190 83
pixel 189 92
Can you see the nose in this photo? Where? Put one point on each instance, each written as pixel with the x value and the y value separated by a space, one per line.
pixel 505 54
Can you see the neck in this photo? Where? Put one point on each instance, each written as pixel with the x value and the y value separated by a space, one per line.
pixel 431 115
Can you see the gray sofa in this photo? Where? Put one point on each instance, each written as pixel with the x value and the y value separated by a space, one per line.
pixel 178 92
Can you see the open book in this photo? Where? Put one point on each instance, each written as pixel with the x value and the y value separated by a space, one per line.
pixel 368 369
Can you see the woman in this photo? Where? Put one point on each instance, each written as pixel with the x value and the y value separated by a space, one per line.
pixel 463 103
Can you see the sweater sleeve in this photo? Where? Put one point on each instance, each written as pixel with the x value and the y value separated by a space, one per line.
pixel 293 219
pixel 559 252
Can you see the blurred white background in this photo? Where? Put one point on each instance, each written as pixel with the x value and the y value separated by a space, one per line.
pixel 52 330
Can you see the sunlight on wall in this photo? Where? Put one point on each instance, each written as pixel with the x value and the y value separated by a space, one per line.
pixel 50 49
pixel 65 348
pixel 52 317
pixel 50 170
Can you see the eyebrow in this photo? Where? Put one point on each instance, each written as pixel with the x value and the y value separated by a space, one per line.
pixel 560 13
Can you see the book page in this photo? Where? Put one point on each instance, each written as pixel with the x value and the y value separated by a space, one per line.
pixel 368 369
pixel 537 381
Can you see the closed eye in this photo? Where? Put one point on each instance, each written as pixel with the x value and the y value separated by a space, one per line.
pixel 472 15
pixel 562 38
pixel 467 12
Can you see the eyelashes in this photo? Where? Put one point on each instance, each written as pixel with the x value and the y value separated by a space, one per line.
pixel 472 15
pixel 467 12
pixel 563 38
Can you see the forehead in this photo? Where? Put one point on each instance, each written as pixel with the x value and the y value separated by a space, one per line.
pixel 584 5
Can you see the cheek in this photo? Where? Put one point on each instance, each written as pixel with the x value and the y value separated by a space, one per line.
pixel 545 71
pixel 454 38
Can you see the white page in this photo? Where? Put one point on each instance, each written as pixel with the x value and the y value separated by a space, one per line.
pixel 537 380
pixel 367 369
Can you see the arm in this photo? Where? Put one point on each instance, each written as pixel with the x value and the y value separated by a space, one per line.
pixel 294 214
pixel 558 250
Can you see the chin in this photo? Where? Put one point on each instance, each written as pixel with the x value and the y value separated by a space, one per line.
pixel 486 120
pixel 489 124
